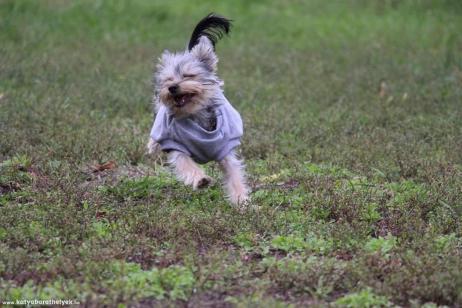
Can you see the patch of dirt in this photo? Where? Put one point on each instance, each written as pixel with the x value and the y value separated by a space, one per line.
pixel 385 226
pixel 285 295
pixel 110 173
pixel 6 188
pixel 24 276
pixel 209 299
pixel 382 267
pixel 287 185
pixel 278 253
pixel 251 257
pixel 147 260
pixel 148 303
pixel 40 181
pixel 343 255
pixel 290 184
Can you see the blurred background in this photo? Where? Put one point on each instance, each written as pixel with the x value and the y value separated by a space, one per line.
pixel 336 75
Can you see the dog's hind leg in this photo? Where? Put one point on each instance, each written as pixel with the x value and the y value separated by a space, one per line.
pixel 235 182
pixel 188 171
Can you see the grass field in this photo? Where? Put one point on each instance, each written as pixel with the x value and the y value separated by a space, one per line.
pixel 353 144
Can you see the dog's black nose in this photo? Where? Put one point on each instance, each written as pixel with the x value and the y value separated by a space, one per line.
pixel 173 89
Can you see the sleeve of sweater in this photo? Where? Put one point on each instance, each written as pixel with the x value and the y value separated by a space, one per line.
pixel 159 131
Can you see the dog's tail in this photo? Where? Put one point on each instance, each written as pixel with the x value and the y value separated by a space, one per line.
pixel 212 26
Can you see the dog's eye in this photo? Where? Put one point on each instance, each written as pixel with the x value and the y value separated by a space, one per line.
pixel 189 75
pixel 169 79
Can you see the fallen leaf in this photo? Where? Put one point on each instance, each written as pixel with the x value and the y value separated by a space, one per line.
pixel 105 166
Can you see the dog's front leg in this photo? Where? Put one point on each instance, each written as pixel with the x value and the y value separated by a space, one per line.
pixel 235 182
pixel 153 147
pixel 188 171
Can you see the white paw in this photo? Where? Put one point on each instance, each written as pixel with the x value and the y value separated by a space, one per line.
pixel 244 204
pixel 239 199
pixel 153 147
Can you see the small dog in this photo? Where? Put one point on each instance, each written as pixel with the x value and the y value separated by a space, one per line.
pixel 195 123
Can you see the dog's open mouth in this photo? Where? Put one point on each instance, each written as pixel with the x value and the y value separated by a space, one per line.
pixel 182 99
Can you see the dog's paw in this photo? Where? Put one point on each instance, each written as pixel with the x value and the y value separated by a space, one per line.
pixel 239 199
pixel 202 182
pixel 244 204
pixel 153 148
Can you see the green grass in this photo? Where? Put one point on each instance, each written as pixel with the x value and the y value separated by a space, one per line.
pixel 359 185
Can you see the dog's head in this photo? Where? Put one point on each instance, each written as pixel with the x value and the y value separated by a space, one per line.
pixel 186 81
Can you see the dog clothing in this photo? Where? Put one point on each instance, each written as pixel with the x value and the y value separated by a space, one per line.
pixel 187 136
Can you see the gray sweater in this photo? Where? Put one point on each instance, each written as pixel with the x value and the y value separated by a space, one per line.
pixel 187 136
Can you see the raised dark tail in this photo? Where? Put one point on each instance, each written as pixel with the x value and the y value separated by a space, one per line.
pixel 213 27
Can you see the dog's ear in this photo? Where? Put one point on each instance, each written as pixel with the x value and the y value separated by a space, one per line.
pixel 204 52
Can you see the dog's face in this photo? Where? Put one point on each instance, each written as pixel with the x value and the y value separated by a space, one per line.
pixel 186 81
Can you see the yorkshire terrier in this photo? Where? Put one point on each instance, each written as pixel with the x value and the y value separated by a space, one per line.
pixel 194 122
